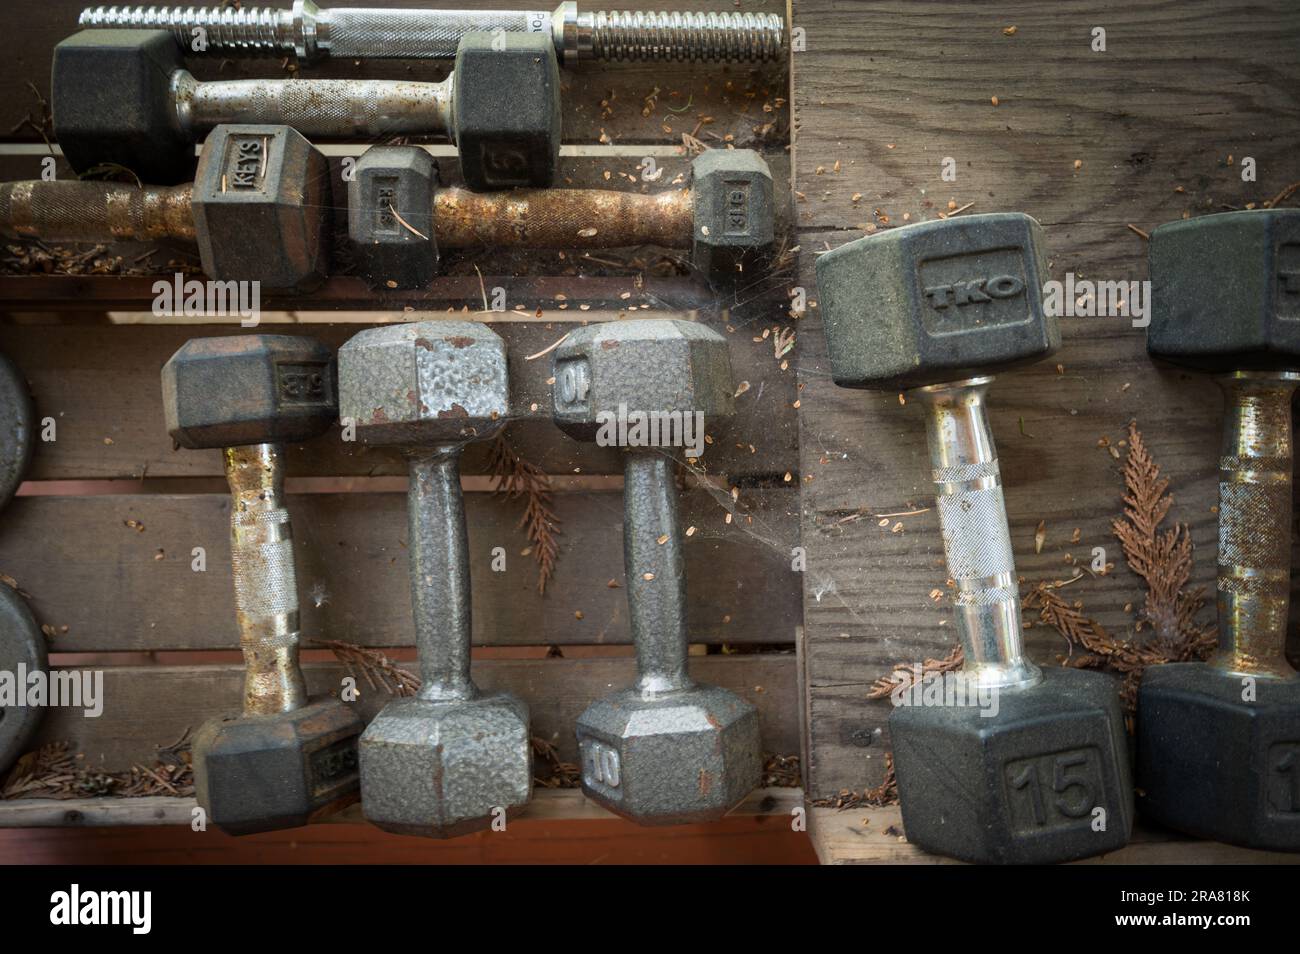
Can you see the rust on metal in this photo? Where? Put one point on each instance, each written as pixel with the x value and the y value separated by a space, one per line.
pixel 1254 577
pixel 562 218
pixel 266 590
pixel 67 211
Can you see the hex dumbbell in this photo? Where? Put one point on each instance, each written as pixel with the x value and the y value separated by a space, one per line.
pixel 286 759
pixel 667 750
pixel 311 33
pixel 123 96
pixel 1219 742
pixel 448 760
pixel 22 644
pixel 927 307
pixel 258 209
pixel 399 218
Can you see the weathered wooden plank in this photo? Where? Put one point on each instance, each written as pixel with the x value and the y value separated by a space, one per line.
pixel 1154 113
pixel 100 386
pixel 117 570
pixel 151 706
pixel 865 836
pixel 624 102
pixel 548 804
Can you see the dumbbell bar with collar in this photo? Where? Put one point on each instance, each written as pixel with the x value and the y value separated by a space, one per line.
pixel 124 97
pixel 310 33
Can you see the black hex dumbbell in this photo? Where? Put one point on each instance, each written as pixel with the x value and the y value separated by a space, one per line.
pixel 258 209
pixel 1219 742
pixel 1040 773
pixel 667 750
pixel 286 759
pixel 22 644
pixel 399 218
pixel 123 96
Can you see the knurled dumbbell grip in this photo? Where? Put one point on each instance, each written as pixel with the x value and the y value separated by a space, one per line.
pixel 656 571
pixel 438 552
pixel 1254 572
pixel 976 538
pixel 325 108
pixel 562 218
pixel 266 587
pixel 74 211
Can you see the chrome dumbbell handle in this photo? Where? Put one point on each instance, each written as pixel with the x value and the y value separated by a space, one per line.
pixel 976 539
pixel 310 33
pixel 1254 576
pixel 266 586
pixel 319 109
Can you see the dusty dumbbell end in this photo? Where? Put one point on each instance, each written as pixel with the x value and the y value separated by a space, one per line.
pixel 451 759
pixel 1218 747
pixel 311 33
pixel 258 209
pixel 286 759
pixel 399 219
pixel 124 97
pixel 22 644
pixel 667 750
pixel 1034 768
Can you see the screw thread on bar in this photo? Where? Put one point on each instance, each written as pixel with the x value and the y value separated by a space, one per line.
pixel 252 29
pixel 662 35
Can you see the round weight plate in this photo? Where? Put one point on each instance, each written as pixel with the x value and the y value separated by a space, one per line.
pixel 22 650
pixel 16 422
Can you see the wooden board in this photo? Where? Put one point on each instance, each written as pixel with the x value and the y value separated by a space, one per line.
pixel 100 385
pixel 117 570
pixel 145 707
pixel 875 836
pixel 887 90
pixel 547 804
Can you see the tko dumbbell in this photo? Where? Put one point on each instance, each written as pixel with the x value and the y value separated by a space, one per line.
pixel 286 759
pixel 123 96
pixel 449 759
pixel 399 219
pixel 668 750
pixel 1043 775
pixel 1219 742
pixel 310 33
pixel 22 644
pixel 258 209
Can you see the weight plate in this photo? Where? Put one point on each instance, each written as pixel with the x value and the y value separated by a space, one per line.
pixel 17 420
pixel 22 650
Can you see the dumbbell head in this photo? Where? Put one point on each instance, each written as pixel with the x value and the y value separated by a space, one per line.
pixel 1225 291
pixel 735 213
pixel 441 769
pixel 430 382
pixel 249 389
pixel 642 365
pixel 1022 783
pixel 506 104
pixel 936 302
pixel 112 103
pixel 17 420
pixel 390 217
pixel 261 206
pixel 266 772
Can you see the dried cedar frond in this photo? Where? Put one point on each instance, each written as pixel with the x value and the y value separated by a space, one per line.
pixel 516 477
pixel 905 675
pixel 378 670
pixel 558 774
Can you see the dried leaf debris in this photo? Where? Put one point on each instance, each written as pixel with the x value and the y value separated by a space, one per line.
pixel 516 477
pixel 55 771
